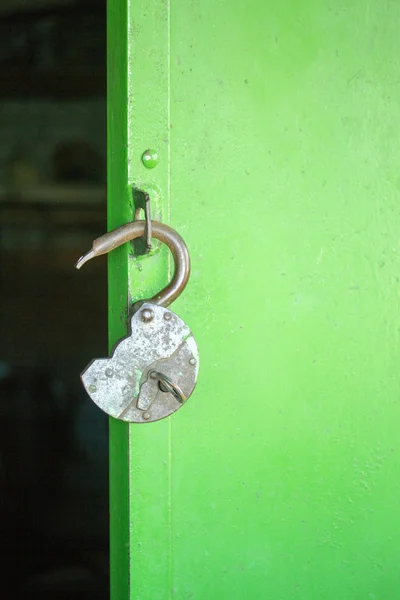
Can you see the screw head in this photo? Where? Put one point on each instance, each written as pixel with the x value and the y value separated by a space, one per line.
pixel 109 372
pixel 146 415
pixel 147 315
pixel 150 159
pixel 167 316
pixel 192 361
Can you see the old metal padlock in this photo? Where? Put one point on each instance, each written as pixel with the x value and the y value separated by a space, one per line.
pixel 153 371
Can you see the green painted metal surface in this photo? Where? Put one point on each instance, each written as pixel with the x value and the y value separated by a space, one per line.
pixel 276 129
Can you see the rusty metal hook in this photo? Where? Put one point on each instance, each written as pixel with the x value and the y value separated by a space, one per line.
pixel 164 233
pixel 146 209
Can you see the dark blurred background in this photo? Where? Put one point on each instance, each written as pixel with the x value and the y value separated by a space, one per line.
pixel 53 440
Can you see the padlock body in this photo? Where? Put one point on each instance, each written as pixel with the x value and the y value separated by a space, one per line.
pixel 123 386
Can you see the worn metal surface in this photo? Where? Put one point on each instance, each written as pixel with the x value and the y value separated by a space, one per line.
pixel 122 385
pixel 147 212
pixel 276 126
pixel 131 231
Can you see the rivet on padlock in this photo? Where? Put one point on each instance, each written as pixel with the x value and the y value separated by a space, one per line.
pixel 153 371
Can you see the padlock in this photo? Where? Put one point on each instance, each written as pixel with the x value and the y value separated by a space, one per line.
pixel 153 371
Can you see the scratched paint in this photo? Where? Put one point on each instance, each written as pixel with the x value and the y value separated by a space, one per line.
pixel 276 127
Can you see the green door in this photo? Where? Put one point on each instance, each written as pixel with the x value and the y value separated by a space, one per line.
pixel 276 124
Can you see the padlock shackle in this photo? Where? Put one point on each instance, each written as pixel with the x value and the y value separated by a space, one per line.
pixel 131 231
